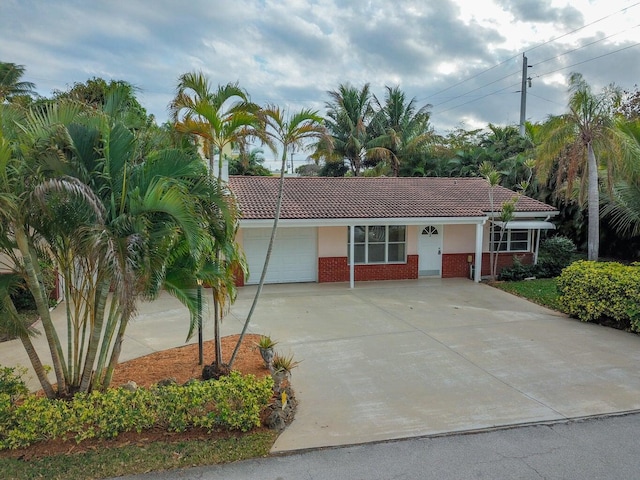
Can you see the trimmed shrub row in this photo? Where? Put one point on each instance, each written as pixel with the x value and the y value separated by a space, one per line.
pixel 593 291
pixel 234 402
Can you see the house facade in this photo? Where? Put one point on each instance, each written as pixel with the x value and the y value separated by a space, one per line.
pixel 392 228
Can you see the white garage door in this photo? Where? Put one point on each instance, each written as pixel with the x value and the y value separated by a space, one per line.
pixel 294 257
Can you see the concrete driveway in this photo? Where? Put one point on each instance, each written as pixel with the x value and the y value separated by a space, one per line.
pixel 400 359
pixel 390 360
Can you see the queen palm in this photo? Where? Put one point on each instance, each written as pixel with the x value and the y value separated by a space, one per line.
pixel 285 132
pixel 579 140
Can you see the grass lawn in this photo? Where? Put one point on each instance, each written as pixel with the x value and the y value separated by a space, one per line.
pixel 541 291
pixel 134 459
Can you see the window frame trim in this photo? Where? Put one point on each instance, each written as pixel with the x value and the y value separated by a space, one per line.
pixel 386 244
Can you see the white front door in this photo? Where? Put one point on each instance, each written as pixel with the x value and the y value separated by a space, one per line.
pixel 430 250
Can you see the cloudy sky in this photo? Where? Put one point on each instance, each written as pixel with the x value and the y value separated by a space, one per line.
pixel 463 57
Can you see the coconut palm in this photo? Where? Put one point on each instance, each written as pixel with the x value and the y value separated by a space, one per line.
pixel 10 83
pixel 580 140
pixel 400 127
pixel 286 132
pixel 349 113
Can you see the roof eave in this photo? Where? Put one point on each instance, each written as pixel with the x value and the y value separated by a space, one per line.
pixel 345 222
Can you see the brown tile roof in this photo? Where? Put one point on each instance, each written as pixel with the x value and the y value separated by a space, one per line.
pixel 380 197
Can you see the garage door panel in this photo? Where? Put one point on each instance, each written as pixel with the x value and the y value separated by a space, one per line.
pixel 294 256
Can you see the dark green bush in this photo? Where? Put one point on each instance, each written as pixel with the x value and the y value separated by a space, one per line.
pixel 555 254
pixel 601 291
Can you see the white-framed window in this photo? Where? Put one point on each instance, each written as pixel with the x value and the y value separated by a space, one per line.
pixel 511 240
pixel 379 244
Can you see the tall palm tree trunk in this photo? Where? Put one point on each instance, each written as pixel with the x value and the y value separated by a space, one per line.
pixel 37 289
pixel 593 241
pixel 267 257
pixel 30 349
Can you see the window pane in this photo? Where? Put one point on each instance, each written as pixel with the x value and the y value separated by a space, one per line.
pixel 377 234
pixel 358 253
pixel 519 246
pixel 396 233
pixel 396 252
pixel 376 253
pixel 519 235
pixel 359 234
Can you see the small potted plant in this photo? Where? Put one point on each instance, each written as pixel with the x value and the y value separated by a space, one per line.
pixel 265 345
pixel 282 366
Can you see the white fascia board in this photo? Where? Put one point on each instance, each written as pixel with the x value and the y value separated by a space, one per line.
pixel 528 214
pixel 526 225
pixel 345 222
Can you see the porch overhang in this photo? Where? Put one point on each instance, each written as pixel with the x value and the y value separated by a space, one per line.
pixel 526 225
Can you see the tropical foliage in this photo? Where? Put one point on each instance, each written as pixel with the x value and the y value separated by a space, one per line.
pixel 11 85
pixel 120 224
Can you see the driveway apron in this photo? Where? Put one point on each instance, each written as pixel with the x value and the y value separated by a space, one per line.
pixel 389 360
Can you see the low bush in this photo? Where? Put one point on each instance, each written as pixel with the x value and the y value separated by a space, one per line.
pixel 602 291
pixel 12 382
pixel 555 254
pixel 234 403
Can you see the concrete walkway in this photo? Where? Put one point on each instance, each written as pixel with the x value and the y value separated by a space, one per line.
pixel 391 360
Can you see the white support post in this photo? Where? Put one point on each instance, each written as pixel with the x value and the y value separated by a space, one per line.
pixel 535 253
pixel 478 264
pixel 352 238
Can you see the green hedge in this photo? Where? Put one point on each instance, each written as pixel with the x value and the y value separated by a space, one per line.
pixel 592 291
pixel 234 402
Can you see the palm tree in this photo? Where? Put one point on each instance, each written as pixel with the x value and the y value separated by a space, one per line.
pixel 288 132
pixel 348 115
pixel 576 140
pixel 110 220
pixel 249 163
pixel 219 119
pixel 622 206
pixel 400 127
pixel 10 83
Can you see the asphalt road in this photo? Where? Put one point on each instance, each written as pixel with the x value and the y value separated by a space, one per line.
pixel 598 448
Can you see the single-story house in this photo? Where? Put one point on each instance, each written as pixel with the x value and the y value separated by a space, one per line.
pixel 393 228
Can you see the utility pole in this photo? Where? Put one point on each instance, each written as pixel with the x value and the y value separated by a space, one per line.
pixel 523 94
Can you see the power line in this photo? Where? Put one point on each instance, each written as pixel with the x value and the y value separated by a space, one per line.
pixel 528 50
pixel 479 98
pixel 587 61
pixel 585 45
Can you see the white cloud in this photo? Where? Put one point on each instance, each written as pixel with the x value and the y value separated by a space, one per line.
pixel 290 52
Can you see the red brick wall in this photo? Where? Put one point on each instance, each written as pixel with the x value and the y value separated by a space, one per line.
pixel 456 264
pixel 336 269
